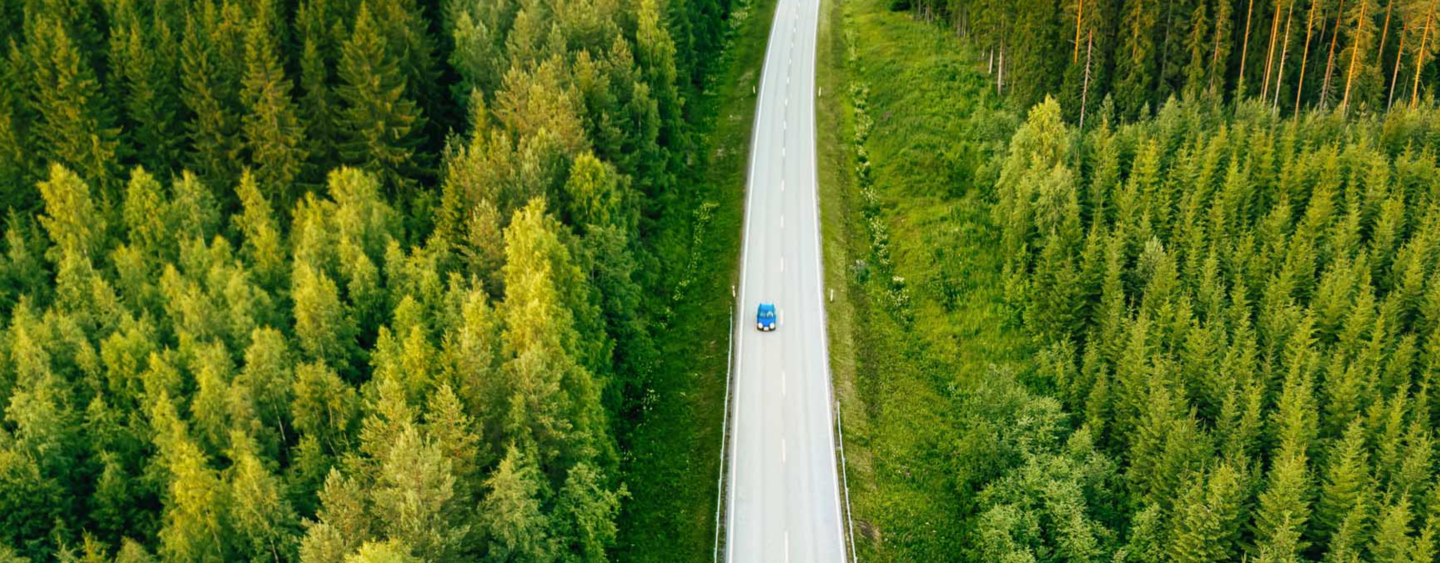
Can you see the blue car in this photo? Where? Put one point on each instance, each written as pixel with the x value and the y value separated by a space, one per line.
pixel 765 317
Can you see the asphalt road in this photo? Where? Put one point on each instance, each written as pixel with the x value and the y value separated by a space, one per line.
pixel 784 503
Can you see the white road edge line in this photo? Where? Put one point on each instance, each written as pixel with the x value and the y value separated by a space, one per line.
pixel 824 316
pixel 782 451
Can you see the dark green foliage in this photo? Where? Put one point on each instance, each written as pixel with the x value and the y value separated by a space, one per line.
pixel 1303 404
pixel 273 132
pixel 268 296
pixel 379 122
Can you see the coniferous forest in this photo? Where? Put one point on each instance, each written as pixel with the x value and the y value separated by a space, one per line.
pixel 1292 55
pixel 332 280
pixel 1216 253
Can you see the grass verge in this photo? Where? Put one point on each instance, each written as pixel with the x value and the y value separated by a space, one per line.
pixel 919 287
pixel 670 459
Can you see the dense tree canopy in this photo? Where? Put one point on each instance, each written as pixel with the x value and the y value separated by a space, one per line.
pixel 1237 319
pixel 330 280
pixel 1346 55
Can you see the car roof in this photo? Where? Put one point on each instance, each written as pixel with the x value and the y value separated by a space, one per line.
pixel 767 305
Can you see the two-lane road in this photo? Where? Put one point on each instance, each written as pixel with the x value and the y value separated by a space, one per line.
pixel 783 496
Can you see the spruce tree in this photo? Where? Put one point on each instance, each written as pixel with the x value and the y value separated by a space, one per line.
pixel 210 91
pixel 379 123
pixel 74 126
pixel 341 525
pixel 1133 90
pixel 655 55
pixel 325 329
pixel 262 243
pixel 142 60
pixel 273 133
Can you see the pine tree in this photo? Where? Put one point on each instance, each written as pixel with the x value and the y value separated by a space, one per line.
pixel 1284 506
pixel 477 57
pixel 1392 543
pixel 414 498
pixel 325 407
pixel 263 520
pixel 511 512
pixel 319 35
pixel 556 401
pixel 595 195
pixel 146 229
pixel 75 226
pixel 197 501
pixel 341 525
pixel 1209 517
pixel 379 124
pixel 1197 44
pixel 1363 81
pixel 266 383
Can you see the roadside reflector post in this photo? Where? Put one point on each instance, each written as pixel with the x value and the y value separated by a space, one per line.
pixel 732 292
pixel 832 295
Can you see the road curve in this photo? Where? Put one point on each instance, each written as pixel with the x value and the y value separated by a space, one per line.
pixel 784 503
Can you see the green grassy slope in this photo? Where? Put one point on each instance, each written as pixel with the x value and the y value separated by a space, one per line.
pixel 918 277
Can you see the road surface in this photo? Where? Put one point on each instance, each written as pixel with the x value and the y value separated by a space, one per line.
pixel 784 503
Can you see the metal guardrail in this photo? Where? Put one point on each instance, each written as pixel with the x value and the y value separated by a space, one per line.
pixel 724 432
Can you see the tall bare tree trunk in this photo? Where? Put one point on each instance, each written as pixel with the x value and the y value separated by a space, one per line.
pixel 1330 61
pixel 1214 62
pixel 1420 58
pixel 1305 57
pixel 1354 54
pixel 1284 52
pixel 1000 74
pixel 1384 33
pixel 1244 52
pixel 1079 17
pixel 1270 53
pixel 1395 76
pixel 1085 86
